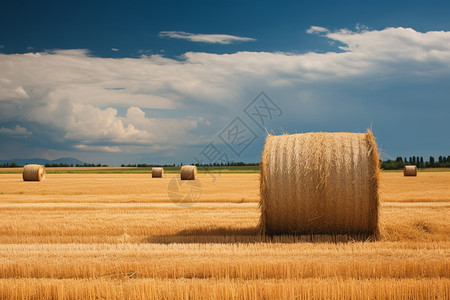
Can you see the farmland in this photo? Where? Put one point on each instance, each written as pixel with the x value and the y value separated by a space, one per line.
pixel 126 236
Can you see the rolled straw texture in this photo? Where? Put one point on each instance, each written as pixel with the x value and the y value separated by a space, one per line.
pixel 410 171
pixel 157 172
pixel 319 183
pixel 188 172
pixel 33 173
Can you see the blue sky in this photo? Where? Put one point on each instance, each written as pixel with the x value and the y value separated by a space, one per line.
pixel 158 81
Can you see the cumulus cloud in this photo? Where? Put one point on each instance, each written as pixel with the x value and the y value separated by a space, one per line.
pixel 205 38
pixel 90 123
pixel 155 103
pixel 16 131
pixel 11 91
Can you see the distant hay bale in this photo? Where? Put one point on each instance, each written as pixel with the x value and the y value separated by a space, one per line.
pixel 33 173
pixel 319 183
pixel 410 171
pixel 188 172
pixel 157 172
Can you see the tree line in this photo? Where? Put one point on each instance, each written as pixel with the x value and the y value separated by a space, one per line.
pixel 400 162
pixel 397 164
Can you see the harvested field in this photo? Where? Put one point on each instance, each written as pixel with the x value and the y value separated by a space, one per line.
pixel 119 236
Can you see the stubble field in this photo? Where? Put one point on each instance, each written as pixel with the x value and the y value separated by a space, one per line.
pixel 128 236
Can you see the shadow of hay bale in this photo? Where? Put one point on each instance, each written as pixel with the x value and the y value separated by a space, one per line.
pixel 224 235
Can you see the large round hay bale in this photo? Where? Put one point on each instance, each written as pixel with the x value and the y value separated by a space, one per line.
pixel 319 183
pixel 33 173
pixel 410 171
pixel 157 172
pixel 188 172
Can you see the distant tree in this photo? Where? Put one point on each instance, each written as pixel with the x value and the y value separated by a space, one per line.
pixel 431 161
pixel 440 159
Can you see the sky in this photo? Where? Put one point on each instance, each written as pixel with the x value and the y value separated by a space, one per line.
pixel 119 82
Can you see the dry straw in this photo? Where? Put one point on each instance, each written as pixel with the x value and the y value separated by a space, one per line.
pixel 320 183
pixel 157 172
pixel 33 173
pixel 188 172
pixel 410 171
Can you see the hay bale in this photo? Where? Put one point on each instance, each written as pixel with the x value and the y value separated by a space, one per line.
pixel 157 172
pixel 188 172
pixel 319 183
pixel 410 171
pixel 33 173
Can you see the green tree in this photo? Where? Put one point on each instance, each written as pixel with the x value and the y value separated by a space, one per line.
pixel 432 161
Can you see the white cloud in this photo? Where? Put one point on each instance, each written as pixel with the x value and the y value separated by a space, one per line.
pixel 114 49
pixel 98 148
pixel 317 29
pixel 70 52
pixel 10 93
pixel 16 131
pixel 361 27
pixel 165 131
pixel 10 90
pixel 205 38
pixel 91 123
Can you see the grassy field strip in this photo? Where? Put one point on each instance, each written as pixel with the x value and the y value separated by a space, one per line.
pixel 96 205
pixel 233 188
pixel 250 261
pixel 224 289
pixel 166 223
pixel 444 204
